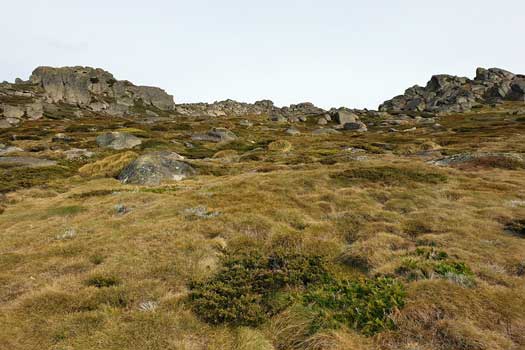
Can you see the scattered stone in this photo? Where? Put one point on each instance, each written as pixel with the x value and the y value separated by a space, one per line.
pixel 216 135
pixel 246 123
pixel 78 153
pixel 61 137
pixel 154 168
pixel 121 209
pixel 292 131
pixel 118 140
pixel 200 212
pixel 68 233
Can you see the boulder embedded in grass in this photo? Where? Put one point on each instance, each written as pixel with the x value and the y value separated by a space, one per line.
pixel 154 168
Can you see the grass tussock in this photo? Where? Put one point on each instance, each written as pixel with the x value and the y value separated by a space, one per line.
pixel 110 166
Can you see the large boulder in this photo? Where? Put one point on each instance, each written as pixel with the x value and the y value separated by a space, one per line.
pixel 342 117
pixel 154 168
pixel 118 140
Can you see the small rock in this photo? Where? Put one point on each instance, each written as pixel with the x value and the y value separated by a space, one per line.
pixel 121 209
pixel 200 212
pixel 245 123
pixel 67 234
pixel 292 131
pixel 78 153
pixel 216 135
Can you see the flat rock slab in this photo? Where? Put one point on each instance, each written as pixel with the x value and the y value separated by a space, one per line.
pixel 216 135
pixel 26 162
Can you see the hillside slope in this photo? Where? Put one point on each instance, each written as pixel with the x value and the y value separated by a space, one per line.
pixel 258 227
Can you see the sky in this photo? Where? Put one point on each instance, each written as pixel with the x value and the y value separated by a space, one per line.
pixel 332 52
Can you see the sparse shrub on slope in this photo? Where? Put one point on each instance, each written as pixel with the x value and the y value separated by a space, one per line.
pixel 364 305
pixel 252 288
pixel 245 291
pixel 427 263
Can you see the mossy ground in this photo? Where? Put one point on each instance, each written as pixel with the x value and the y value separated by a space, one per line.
pixel 75 273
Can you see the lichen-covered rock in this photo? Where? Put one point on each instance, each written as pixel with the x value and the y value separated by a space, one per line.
pixel 97 89
pixel 154 168
pixel 118 140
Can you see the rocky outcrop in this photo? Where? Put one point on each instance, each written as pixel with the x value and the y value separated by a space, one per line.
pixel 97 89
pixel 448 93
pixel 234 108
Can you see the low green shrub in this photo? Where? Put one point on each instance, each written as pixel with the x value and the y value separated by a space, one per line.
pixel 426 263
pixel 252 287
pixel 364 305
pixel 245 292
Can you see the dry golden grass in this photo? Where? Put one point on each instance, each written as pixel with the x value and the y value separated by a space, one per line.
pixel 110 166
pixel 53 242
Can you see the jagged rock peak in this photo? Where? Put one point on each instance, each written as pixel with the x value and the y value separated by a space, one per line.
pixel 97 89
pixel 448 93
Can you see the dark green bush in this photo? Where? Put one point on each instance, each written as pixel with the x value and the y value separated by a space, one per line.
pixel 252 287
pixel 245 291
pixel 364 305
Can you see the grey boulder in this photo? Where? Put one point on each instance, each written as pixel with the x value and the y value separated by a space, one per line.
pixel 154 168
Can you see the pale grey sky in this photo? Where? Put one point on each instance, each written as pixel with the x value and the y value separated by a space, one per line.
pixel 330 52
